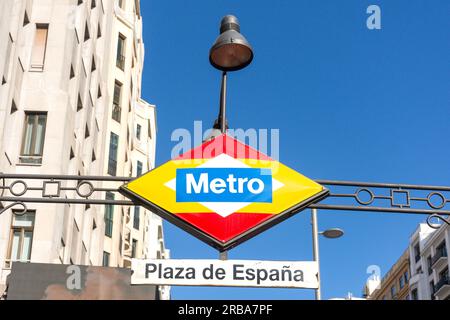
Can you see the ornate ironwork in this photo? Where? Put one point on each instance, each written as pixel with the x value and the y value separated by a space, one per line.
pixel 439 218
pixel 385 197
pixel 19 189
pixel 17 213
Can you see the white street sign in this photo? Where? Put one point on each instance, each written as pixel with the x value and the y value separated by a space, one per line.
pixel 230 273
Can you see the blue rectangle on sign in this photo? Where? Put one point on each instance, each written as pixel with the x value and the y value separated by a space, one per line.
pixel 224 185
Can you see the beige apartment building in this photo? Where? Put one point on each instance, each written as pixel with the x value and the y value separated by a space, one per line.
pixel 70 104
pixel 395 284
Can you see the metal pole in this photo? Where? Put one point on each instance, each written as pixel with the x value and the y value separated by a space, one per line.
pixel 223 255
pixel 315 235
pixel 222 119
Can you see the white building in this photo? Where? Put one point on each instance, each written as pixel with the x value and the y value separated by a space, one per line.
pixel 70 88
pixel 428 250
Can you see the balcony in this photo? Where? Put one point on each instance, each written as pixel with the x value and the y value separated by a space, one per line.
pixel 439 259
pixel 442 288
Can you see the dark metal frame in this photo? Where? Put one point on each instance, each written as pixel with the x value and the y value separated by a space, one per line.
pixel 433 201
pixel 382 197
pixel 19 186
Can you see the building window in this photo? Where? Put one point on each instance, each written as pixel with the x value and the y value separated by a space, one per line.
pixel 39 48
pixel 33 138
pixel 120 62
pixel 443 281
pixel 109 215
pixel 134 248
pixel 432 291
pixel 117 110
pixel 113 147
pixel 139 169
pixel 417 252
pixel 402 282
pixel 414 295
pixel 393 292
pixel 106 257
pixel 443 276
pixel 405 276
pixel 137 217
pixel 441 250
pixel 429 263
pixel 138 131
pixel 21 238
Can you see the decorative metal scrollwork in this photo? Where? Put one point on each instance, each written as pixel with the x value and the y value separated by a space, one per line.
pixel 16 212
pixel 344 195
pixel 437 217
pixel 385 197
pixel 21 189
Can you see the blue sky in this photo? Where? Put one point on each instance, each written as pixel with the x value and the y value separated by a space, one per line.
pixel 350 104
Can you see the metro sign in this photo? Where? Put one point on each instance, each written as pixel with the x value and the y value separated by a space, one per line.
pixel 224 192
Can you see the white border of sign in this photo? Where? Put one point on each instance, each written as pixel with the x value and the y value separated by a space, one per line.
pixel 229 273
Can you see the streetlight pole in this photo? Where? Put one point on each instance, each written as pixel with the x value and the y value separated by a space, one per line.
pixel 315 235
pixel 221 122
pixel 332 233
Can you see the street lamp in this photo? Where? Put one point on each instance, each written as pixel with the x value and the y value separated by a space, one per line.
pixel 333 233
pixel 230 52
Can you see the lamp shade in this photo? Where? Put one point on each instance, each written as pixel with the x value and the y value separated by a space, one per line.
pixel 231 51
pixel 333 233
